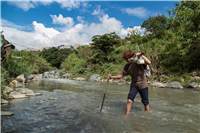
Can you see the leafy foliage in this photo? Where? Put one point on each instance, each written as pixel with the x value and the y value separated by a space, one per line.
pixel 156 25
pixel 55 56
pixel 73 63
pixel 5 80
pixel 103 45
pixel 30 62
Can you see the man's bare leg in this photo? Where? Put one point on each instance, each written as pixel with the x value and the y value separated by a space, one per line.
pixel 128 106
pixel 147 108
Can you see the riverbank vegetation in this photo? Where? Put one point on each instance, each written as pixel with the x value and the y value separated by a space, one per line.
pixel 171 43
pixel 22 62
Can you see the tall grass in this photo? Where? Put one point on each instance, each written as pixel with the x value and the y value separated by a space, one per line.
pixel 73 63
pixel 5 80
pixel 34 62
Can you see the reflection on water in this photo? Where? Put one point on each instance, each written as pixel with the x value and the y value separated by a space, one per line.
pixel 73 106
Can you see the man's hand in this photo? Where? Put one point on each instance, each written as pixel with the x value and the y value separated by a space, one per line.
pixel 137 54
pixel 109 76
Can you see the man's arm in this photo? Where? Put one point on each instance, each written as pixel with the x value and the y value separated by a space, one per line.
pixel 115 77
pixel 147 61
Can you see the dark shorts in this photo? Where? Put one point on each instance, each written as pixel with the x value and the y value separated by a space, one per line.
pixel 143 94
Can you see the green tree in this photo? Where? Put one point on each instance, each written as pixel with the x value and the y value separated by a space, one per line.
pixel 188 19
pixel 55 56
pixel 103 45
pixel 105 42
pixel 188 15
pixel 156 25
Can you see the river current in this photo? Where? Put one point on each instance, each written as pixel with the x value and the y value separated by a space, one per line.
pixel 70 106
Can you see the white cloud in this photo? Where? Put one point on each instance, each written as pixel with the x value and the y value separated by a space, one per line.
pixel 60 20
pixel 24 5
pixel 66 4
pixel 69 4
pixel 6 23
pixel 111 24
pixel 137 29
pixel 43 2
pixel 80 33
pixel 47 32
pixel 140 12
pixel 80 19
pixel 98 11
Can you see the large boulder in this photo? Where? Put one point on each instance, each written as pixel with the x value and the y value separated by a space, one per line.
pixel 15 95
pixel 6 113
pixel 193 85
pixel 22 90
pixel 30 93
pixel 56 75
pixel 158 84
pixel 37 77
pixel 94 76
pixel 4 101
pixel 174 84
pixel 49 74
pixel 67 75
pixel 21 77
pixel 7 90
pixel 15 84
pixel 30 77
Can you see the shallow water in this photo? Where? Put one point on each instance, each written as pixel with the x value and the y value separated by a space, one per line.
pixel 70 106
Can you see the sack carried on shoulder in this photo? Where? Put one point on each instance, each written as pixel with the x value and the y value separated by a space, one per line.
pixel 138 59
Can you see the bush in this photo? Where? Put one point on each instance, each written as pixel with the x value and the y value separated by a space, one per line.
pixel 17 67
pixel 5 80
pixel 33 61
pixel 73 63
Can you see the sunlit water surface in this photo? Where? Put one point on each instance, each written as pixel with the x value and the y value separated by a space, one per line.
pixel 69 106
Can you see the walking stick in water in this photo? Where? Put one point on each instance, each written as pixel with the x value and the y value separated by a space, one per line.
pixel 104 95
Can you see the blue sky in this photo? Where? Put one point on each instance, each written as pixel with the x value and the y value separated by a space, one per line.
pixel 36 24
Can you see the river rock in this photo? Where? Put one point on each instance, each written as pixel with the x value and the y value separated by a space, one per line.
pixel 4 101
pixel 174 84
pixel 129 83
pixel 116 81
pixel 38 94
pixel 30 93
pixel 67 75
pixel 7 90
pixel 94 76
pixel 16 95
pixel 120 83
pixel 158 84
pixel 30 77
pixel 193 85
pixel 15 83
pixel 195 77
pixel 80 79
pixel 21 77
pixel 22 90
pixel 37 77
pixel 56 75
pixel 6 113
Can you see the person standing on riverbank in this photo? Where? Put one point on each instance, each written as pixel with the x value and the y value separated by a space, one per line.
pixel 139 82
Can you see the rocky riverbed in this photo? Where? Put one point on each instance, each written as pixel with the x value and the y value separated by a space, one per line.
pixel 17 88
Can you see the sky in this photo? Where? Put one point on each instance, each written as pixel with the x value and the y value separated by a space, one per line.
pixel 50 23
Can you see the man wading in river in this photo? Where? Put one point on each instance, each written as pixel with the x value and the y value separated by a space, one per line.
pixel 139 82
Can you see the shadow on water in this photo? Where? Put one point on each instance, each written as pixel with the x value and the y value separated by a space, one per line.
pixel 73 106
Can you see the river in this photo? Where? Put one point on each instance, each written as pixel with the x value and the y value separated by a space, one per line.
pixel 70 106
